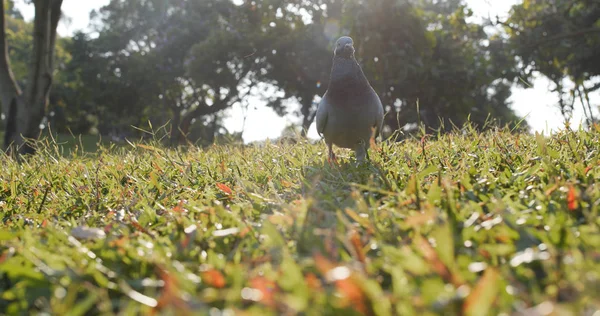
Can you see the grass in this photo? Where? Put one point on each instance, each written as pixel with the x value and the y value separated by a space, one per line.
pixel 468 224
pixel 68 143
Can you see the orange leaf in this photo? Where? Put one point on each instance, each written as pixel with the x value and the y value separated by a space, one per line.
pixel 347 286
pixel 186 241
pixel 108 228
pixel 213 278
pixel 408 202
pixel 139 227
pixel 245 231
pixel 224 188
pixel 286 184
pixel 157 167
pixel 503 238
pixel 358 248
pixel 483 295
pixel 438 266
pixel 179 207
pixel 266 287
pixel 118 242
pixel 352 294
pixel 572 199
pixel 552 189
pixel 486 254
pixel 323 264
pixel 587 169
pixel 170 295
pixel 312 281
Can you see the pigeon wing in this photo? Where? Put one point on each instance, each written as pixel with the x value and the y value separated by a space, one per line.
pixel 322 115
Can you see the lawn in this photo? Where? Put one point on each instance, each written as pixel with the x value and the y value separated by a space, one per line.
pixel 68 143
pixel 466 224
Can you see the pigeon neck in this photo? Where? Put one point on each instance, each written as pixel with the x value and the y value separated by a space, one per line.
pixel 347 76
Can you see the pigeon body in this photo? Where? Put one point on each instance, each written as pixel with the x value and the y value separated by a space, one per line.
pixel 350 112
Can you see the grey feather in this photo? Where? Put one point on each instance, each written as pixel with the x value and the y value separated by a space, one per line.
pixel 321 118
pixel 350 109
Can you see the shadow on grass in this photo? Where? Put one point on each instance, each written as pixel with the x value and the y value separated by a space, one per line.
pixel 337 192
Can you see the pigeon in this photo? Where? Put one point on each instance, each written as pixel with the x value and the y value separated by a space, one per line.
pixel 350 112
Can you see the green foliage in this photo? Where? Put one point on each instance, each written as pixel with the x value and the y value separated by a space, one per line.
pixel 11 11
pixel 294 54
pixel 177 62
pixel 19 36
pixel 413 52
pixel 430 65
pixel 467 224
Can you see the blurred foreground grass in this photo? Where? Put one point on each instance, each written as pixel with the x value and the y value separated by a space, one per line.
pixel 469 224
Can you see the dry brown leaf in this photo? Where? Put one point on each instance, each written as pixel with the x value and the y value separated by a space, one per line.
pixel 267 288
pixel 224 188
pixel 483 295
pixel 213 278
pixel 436 263
pixel 572 199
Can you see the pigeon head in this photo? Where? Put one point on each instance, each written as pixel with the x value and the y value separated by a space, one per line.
pixel 344 47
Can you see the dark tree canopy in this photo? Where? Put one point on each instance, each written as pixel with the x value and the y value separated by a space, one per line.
pixel 427 53
pixel 561 40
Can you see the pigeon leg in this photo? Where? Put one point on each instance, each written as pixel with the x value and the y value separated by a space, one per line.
pixel 361 152
pixel 331 157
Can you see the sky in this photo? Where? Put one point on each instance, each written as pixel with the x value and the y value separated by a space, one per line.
pixel 536 104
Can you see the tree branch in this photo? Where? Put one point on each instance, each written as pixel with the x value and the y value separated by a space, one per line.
pixel 592 88
pixel 589 105
pixel 55 15
pixel 204 109
pixel 564 36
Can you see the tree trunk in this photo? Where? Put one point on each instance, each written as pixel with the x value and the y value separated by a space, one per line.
pixel 185 122
pixel 24 111
pixel 10 93
pixel 184 127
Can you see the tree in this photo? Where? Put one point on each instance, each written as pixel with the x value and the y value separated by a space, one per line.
pixel 185 59
pixel 24 110
pixel 561 40
pixel 294 54
pixel 426 53
pixel 414 52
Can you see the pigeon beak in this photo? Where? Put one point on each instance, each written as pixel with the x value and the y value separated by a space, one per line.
pixel 345 50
